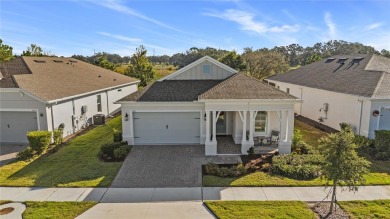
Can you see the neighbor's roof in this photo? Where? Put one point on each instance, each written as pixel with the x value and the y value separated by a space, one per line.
pixel 241 86
pixel 53 78
pixel 362 75
pixel 15 66
pixel 172 90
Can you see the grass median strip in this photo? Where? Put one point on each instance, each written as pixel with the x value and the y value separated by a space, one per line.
pixel 74 165
pixel 54 210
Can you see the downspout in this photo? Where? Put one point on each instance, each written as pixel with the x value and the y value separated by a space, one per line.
pixel 108 109
pixel 52 117
pixel 300 110
pixel 361 113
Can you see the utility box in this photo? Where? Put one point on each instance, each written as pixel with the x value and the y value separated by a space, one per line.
pixel 99 119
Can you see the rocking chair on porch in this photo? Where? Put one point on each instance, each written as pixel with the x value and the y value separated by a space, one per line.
pixel 274 138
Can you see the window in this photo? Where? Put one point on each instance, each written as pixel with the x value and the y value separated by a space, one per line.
pixel 99 103
pixel 261 121
pixel 206 69
pixel 288 90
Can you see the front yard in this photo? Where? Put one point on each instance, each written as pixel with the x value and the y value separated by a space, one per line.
pixel 74 165
pixel 379 175
pixel 295 209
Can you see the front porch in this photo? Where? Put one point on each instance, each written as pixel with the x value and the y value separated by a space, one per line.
pixel 227 146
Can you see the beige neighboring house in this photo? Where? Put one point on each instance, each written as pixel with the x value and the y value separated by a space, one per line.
pixel 346 88
pixel 40 93
pixel 203 100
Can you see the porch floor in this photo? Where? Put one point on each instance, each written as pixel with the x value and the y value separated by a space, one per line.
pixel 226 145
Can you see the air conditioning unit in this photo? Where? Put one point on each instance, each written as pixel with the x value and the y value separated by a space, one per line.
pixel 99 119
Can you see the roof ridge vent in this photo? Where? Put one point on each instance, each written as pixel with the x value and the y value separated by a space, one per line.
pixel 329 59
pixel 39 61
pixel 58 61
pixel 72 61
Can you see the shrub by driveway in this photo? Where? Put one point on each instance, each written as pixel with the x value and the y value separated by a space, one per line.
pixel 74 165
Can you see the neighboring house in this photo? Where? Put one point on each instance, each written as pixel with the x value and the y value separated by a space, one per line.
pixel 346 88
pixel 40 93
pixel 202 100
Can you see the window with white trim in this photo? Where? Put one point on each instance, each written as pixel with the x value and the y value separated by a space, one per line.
pixel 206 69
pixel 261 122
pixel 99 103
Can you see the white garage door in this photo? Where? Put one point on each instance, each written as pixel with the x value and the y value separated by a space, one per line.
pixel 15 125
pixel 384 121
pixel 166 128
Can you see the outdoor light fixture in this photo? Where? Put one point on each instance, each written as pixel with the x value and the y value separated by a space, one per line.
pixel 375 113
pixel 204 117
pixel 126 117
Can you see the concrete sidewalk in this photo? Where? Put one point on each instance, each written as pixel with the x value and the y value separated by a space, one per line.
pixel 143 195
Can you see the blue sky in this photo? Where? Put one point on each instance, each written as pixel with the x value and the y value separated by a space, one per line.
pixel 167 27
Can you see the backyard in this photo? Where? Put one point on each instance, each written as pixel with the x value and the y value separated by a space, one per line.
pixel 379 175
pixel 75 165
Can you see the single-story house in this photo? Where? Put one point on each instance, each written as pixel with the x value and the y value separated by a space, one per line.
pixel 40 93
pixel 345 88
pixel 202 100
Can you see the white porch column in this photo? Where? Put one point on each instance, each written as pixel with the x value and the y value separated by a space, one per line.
pixel 214 139
pixel 243 140
pixel 290 125
pixel 128 127
pixel 251 127
pixel 286 129
pixel 211 146
pixel 207 126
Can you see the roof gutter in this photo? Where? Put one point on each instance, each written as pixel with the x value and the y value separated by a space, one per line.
pixel 95 91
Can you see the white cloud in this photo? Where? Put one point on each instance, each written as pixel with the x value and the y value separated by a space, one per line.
pixel 373 26
pixel 331 25
pixel 117 6
pixel 120 37
pixel 247 22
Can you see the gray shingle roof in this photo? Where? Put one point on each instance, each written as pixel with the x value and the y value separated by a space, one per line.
pixel 52 78
pixel 8 69
pixel 362 77
pixel 172 90
pixel 241 86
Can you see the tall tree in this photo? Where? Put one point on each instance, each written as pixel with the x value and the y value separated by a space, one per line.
pixel 264 63
pixel 313 58
pixel 140 67
pixel 33 50
pixel 5 52
pixel 104 63
pixel 233 60
pixel 342 167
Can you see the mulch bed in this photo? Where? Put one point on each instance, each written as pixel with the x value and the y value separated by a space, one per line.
pixel 5 211
pixel 322 209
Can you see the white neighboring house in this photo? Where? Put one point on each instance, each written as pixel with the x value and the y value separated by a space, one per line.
pixel 40 93
pixel 202 100
pixel 346 88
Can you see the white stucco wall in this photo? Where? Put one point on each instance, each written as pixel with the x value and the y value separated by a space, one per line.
pixel 342 107
pixel 196 73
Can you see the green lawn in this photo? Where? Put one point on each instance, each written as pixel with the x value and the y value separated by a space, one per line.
pixel 54 210
pixel 380 170
pixel 74 165
pixel 260 209
pixel 310 134
pixel 367 209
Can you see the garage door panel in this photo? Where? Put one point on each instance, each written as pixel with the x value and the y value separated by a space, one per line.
pixel 15 125
pixel 166 128
pixel 384 122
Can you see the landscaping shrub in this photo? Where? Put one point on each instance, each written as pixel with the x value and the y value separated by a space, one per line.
pixel 345 126
pixel 214 169
pixel 382 140
pixel 26 154
pixel 107 151
pixel 39 140
pixel 297 138
pixel 121 152
pixel 363 142
pixel 251 151
pixel 297 166
pixel 57 136
pixel 117 136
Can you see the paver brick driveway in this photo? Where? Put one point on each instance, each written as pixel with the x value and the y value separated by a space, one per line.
pixel 149 166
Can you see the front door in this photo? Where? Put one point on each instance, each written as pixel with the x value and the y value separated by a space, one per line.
pixel 221 123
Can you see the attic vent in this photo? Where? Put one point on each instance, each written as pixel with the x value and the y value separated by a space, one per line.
pixel 58 61
pixel 72 61
pixel 330 59
pixel 342 61
pixel 39 61
pixel 358 58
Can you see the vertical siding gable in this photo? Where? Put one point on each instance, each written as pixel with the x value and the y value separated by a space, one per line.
pixel 196 73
